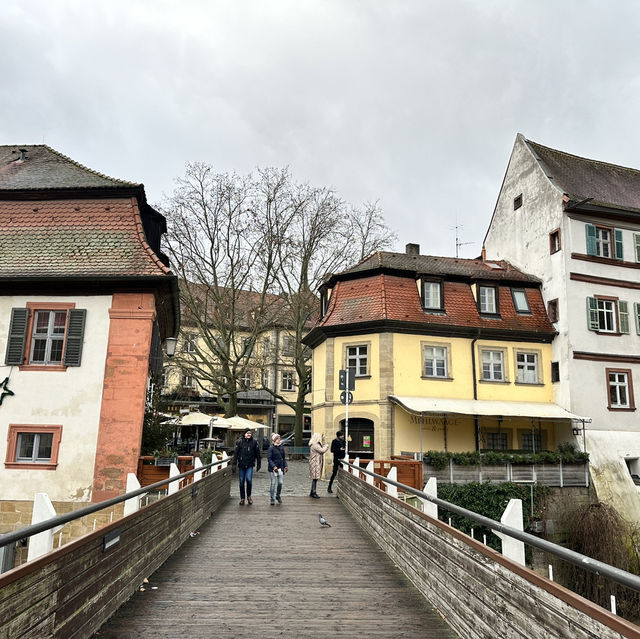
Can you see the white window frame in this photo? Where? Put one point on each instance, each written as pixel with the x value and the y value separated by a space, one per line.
pixel 432 295
pixel 357 357
pixel 437 355
pixel 492 364
pixel 527 367
pixel 607 310
pixel 618 382
pixel 33 459
pixel 245 380
pixel 51 336
pixel 604 243
pixel 266 377
pixel 190 342
pixel 515 295
pixel 287 381
pixel 288 346
pixel 488 304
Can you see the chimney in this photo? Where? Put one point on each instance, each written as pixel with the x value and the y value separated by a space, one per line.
pixel 484 253
pixel 23 155
pixel 412 249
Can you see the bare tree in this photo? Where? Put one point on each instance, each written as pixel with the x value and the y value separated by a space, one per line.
pixel 251 252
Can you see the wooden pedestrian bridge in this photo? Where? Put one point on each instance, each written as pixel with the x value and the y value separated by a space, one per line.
pixel 194 564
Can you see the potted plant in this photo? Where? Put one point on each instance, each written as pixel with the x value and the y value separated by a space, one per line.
pixel 165 457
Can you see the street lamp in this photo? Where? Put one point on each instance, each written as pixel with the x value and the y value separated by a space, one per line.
pixel 170 345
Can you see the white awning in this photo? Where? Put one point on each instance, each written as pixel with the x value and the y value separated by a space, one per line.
pixel 420 405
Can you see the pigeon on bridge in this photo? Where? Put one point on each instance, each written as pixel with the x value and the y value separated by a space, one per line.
pixel 323 521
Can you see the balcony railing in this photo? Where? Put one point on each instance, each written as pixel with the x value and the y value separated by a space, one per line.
pixel 561 474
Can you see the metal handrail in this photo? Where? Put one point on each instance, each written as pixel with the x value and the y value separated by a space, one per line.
pixel 598 567
pixel 58 520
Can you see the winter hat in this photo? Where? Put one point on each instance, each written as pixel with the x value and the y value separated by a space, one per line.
pixel 339 434
pixel 274 437
pixel 247 430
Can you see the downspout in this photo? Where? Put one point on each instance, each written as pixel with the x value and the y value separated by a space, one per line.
pixel 476 420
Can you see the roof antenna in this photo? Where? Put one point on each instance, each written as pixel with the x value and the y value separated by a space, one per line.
pixel 457 227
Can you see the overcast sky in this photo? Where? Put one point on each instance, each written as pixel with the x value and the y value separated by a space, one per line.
pixel 415 104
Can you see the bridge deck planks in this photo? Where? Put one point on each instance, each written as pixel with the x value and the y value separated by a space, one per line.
pixel 263 571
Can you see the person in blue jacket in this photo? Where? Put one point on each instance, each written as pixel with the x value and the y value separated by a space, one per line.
pixel 277 467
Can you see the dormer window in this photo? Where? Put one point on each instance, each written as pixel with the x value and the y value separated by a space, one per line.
pixel 520 301
pixel 432 296
pixel 488 299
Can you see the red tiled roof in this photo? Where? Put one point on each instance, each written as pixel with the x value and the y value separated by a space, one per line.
pixel 395 298
pixel 53 238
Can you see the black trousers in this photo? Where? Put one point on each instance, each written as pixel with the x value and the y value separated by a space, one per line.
pixel 336 466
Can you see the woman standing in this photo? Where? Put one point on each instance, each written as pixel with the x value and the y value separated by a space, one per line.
pixel 316 460
pixel 277 467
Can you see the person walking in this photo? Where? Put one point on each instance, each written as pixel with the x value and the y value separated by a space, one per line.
pixel 337 448
pixel 277 467
pixel 247 454
pixel 316 460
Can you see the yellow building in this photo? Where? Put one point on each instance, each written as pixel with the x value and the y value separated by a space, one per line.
pixel 447 354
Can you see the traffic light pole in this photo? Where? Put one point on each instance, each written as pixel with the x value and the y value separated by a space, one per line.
pixel 346 417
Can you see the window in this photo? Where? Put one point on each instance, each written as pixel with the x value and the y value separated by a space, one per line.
pixel 488 299
pixel 190 342
pixel 246 381
pixel 187 380
pixel 532 442
pixel 357 358
pixel 324 302
pixel 636 307
pixel 527 364
pixel 435 361
pixel 265 378
pixel 554 241
pixel 266 346
pixel 636 246
pixel 603 241
pixel 517 202
pixel 552 310
pixel 620 389
pixel 493 366
pixel 247 346
pixel 287 381
pixel 432 295
pixel 555 371
pixel 607 315
pixel 288 346
pixel 520 300
pixel 496 441
pixel 33 446
pixel 46 335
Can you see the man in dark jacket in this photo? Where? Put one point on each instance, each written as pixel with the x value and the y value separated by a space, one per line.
pixel 246 455
pixel 337 448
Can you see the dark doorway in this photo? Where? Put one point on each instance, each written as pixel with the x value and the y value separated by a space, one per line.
pixel 361 436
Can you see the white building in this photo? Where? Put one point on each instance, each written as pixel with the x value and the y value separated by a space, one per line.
pixel 575 223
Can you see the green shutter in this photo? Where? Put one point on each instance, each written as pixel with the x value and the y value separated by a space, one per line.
pixel 591 239
pixel 618 240
pixel 636 243
pixel 636 307
pixel 623 314
pixel 592 314
pixel 75 337
pixel 17 337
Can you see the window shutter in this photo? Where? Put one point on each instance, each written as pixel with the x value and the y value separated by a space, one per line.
pixel 636 242
pixel 591 239
pixel 75 337
pixel 623 314
pixel 155 353
pixel 636 307
pixel 17 337
pixel 592 314
pixel 618 240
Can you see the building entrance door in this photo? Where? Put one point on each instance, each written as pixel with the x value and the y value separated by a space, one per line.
pixel 361 442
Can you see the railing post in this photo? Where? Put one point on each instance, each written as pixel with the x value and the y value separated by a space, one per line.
pixel 450 470
pixel 356 462
pixel 391 489
pixel 512 516
pixel 561 474
pixel 174 486
pixel 431 489
pixel 225 457
pixel 197 463
pixel 133 504
pixel 369 479
pixel 41 543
